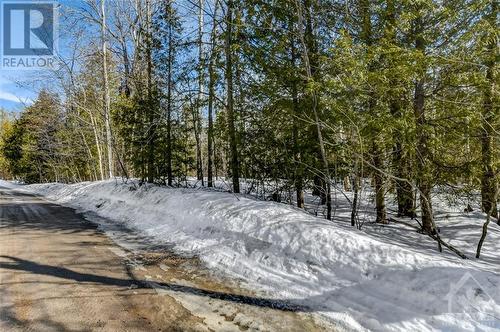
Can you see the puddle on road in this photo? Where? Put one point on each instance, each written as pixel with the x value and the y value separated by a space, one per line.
pixel 220 302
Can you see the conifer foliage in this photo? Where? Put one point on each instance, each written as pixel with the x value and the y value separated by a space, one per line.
pixel 287 97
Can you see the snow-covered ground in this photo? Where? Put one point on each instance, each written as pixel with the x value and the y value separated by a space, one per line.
pixel 382 278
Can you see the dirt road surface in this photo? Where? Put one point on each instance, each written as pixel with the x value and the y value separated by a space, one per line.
pixel 59 272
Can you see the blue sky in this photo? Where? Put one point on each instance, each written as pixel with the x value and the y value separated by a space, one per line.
pixel 11 95
pixel 18 88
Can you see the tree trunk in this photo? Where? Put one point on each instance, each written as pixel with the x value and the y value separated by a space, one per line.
pixel 354 211
pixel 151 109
pixel 308 46
pixel 490 109
pixel 169 95
pixel 211 96
pixel 376 150
pixel 424 176
pixel 210 147
pixel 235 168
pixel 106 96
pixel 485 227
pixel 126 68
pixel 404 189
pixel 379 184
pixel 298 176
pixel 98 146
pixel 201 69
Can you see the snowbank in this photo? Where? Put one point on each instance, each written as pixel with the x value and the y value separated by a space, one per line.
pixel 377 281
pixel 9 184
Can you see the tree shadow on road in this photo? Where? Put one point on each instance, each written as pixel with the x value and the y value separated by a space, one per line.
pixel 19 264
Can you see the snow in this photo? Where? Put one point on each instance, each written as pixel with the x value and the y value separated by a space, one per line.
pixel 9 184
pixel 386 278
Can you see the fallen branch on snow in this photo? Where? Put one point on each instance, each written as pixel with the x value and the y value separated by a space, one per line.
pixel 433 236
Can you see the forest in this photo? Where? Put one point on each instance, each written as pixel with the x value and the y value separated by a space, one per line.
pixel 286 97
